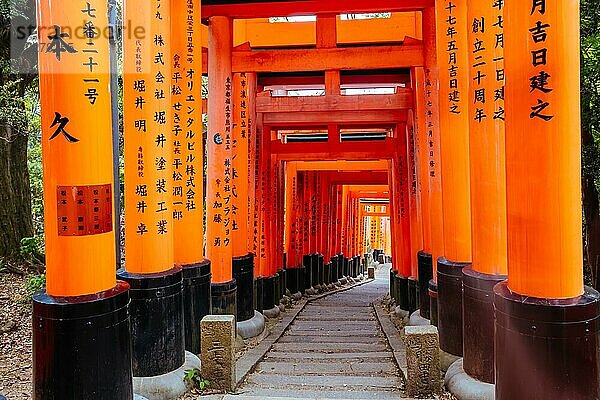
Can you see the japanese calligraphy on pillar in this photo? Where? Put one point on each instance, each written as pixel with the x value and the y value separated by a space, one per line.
pixel 454 84
pixel 454 40
pixel 300 216
pixel 540 76
pixel 430 125
pixel 74 68
pixel 188 157
pixel 487 135
pixel 148 141
pixel 486 41
pixel 240 160
pixel 543 118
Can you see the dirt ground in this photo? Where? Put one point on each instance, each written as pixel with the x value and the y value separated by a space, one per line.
pixel 15 337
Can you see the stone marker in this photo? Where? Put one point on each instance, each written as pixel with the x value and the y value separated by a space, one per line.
pixel 371 272
pixel 218 351
pixel 423 361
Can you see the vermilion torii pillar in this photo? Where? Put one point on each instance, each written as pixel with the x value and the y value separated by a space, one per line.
pixel 156 282
pixel 401 218
pixel 432 137
pixel 219 195
pixel 293 262
pixel 423 123
pixel 488 185
pixel 75 353
pixel 243 93
pixel 414 194
pixel 188 168
pixel 453 53
pixel 546 321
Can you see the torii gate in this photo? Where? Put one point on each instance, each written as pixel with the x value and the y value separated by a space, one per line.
pixel 483 173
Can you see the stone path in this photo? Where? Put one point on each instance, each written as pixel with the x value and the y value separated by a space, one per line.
pixel 334 349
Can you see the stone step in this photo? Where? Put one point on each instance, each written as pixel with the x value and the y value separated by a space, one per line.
pixel 335 317
pixel 287 394
pixel 316 338
pixel 315 357
pixel 337 326
pixel 329 347
pixel 326 381
pixel 356 367
pixel 326 332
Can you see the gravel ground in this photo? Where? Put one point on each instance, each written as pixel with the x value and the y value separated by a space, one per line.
pixel 15 337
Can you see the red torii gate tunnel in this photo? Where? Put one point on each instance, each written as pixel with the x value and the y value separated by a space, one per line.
pixel 446 126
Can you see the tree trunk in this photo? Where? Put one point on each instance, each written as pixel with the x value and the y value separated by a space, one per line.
pixel 591 209
pixel 15 196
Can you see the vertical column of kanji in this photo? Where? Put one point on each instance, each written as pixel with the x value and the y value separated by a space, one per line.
pixel 324 225
pixel 148 143
pixel 543 170
pixel 350 227
pixel 219 195
pixel 395 231
pixel 378 244
pixel 317 226
pixel 300 231
pixel 423 121
pixel 243 260
pixel 258 232
pixel 72 345
pixel 149 251
pixel 373 229
pixel 400 170
pixel 291 215
pixel 488 185
pixel 403 248
pixel 434 154
pixel 454 131
pixel 306 260
pixel 362 242
pixel 314 257
pixel 267 256
pixel 188 167
pixel 279 192
pixel 332 239
pixel 252 181
pixel 414 195
pixel 281 221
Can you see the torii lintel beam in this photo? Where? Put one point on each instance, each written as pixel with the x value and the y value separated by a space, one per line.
pixel 323 59
pixel 374 150
pixel 361 189
pixel 318 118
pixel 359 178
pixel 342 165
pixel 250 9
pixel 401 100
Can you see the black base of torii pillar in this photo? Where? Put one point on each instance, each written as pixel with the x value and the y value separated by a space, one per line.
pixel 546 349
pixel 82 346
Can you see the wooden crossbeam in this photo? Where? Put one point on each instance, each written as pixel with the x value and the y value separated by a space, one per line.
pixel 248 9
pixel 359 178
pixel 342 165
pixel 384 149
pixel 322 59
pixel 319 118
pixel 402 100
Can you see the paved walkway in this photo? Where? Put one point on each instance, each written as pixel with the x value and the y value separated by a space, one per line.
pixel 334 349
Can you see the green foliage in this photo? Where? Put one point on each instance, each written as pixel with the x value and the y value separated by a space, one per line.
pixel 32 249
pixel 34 284
pixel 590 87
pixel 194 378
